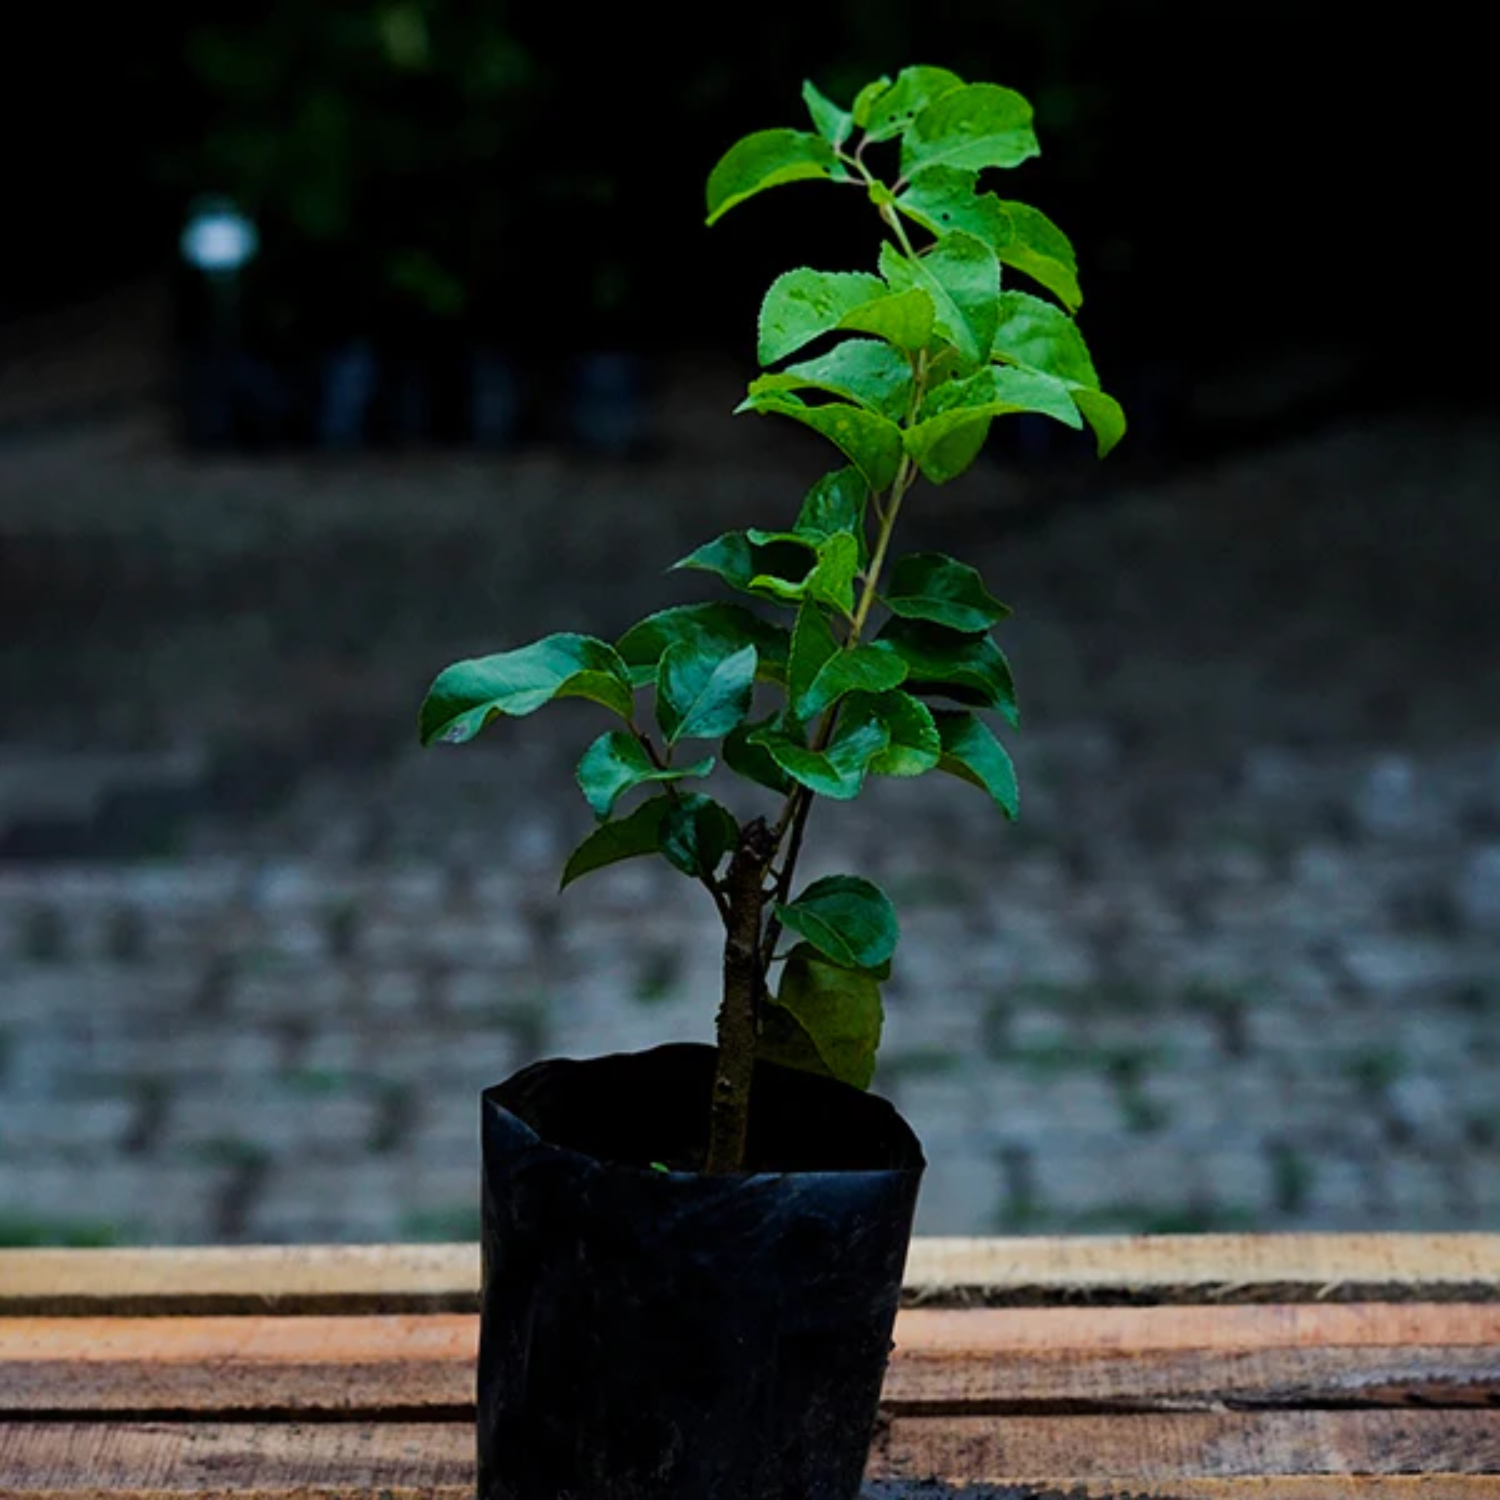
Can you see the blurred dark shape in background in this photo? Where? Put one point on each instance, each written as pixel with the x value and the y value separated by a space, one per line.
pixel 448 193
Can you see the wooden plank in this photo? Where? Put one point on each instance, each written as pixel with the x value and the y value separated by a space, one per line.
pixel 1183 1458
pixel 237 1461
pixel 1175 1445
pixel 993 1359
pixel 1206 1268
pixel 997 1272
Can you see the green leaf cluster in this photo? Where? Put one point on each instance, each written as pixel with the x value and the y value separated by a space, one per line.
pixel 843 658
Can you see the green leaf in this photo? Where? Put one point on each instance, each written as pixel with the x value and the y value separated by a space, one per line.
pixel 862 669
pixel 831 582
pixel 701 695
pixel 617 763
pixel 783 1040
pixel 901 318
pixel 716 630
pixel 469 694
pixel 871 443
pixel 696 834
pixel 837 1010
pixel 1038 338
pixel 836 503
pixel 932 586
pixel 948 440
pixel 1105 415
pixel 753 761
pixel 766 160
pixel 741 558
pixel 813 645
pixel 868 372
pixel 865 99
pixel 1040 249
pixel 945 199
pixel 981 125
pixel 968 668
pixel 639 832
pixel 831 122
pixel 846 918
pixel 803 304
pixel 838 771
pixel 914 746
pixel 895 108
pixel 972 752
pixel 962 276
pixel 1035 335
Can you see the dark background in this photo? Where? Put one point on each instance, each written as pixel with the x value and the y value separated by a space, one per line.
pixel 1238 178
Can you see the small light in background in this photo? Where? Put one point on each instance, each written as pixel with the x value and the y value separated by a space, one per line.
pixel 218 239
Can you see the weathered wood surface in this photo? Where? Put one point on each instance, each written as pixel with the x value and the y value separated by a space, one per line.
pixel 1146 1270
pixel 330 1373
pixel 1117 1455
pixel 993 1360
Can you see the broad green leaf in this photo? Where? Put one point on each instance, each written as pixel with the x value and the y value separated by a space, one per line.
pixel 469 694
pixel 858 669
pixel 766 160
pixel 981 125
pixel 837 1009
pixel 914 746
pixel 741 557
pixel 639 832
pixel 716 630
pixel 846 918
pixel 696 833
pixel 752 761
pixel 968 668
pixel 701 695
pixel 1040 249
pixel 784 565
pixel 894 109
pixel 837 772
pixel 617 763
pixel 945 443
pixel 831 580
pixel 932 586
pixel 836 503
pixel 1035 335
pixel 813 645
pixel 831 122
pixel 1105 415
pixel 865 99
pixel 783 1040
pixel 944 199
pixel 972 752
pixel 962 276
pixel 868 372
pixel 871 443
pixel 901 318
pixel 802 305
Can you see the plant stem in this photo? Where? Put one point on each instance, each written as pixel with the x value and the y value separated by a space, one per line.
pixel 739 1011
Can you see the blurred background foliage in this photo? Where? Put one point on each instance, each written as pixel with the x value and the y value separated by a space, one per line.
pixel 533 173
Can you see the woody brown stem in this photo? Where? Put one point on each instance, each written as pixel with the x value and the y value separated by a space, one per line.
pixel 738 1020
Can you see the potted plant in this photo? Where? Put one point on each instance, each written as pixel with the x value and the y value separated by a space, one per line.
pixel 692 1255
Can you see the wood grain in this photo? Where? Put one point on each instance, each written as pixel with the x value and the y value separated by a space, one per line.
pixel 1183 1269
pixel 1170 1446
pixel 1158 1456
pixel 986 1360
pixel 1218 1268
